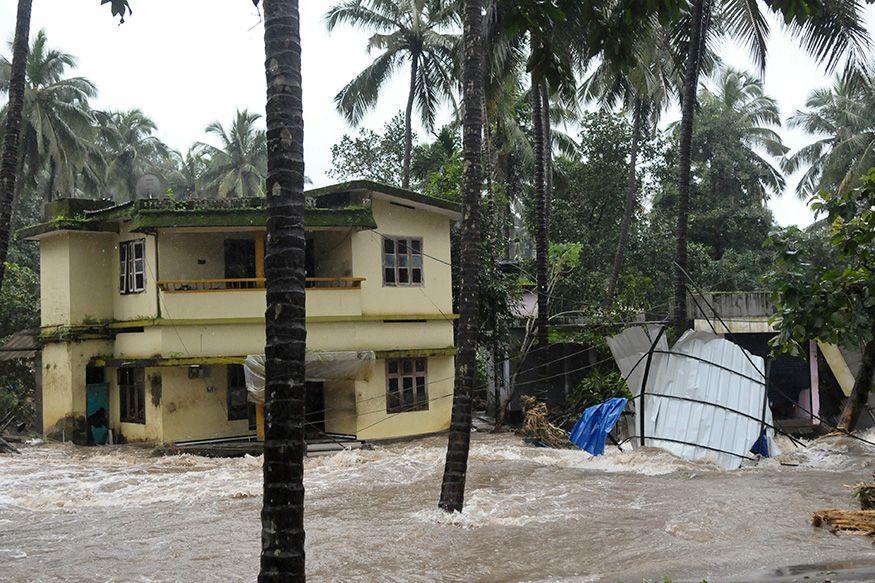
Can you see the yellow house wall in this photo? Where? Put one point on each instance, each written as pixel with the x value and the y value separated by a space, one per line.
pixel 434 229
pixel 75 278
pixel 55 280
pixel 198 408
pixel 91 277
pixel 152 430
pixel 179 253
pixel 373 421
pixel 251 303
pixel 63 382
pixel 140 305
pixel 332 253
pixel 242 339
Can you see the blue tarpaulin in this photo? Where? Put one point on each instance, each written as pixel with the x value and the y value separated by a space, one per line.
pixel 591 430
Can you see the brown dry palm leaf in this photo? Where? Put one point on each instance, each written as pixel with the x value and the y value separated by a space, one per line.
pixel 536 424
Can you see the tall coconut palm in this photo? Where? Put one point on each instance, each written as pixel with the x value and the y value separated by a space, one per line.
pixel 842 117
pixel 282 516
pixel 832 32
pixel 185 173
pixel 237 167
pixel 453 487
pixel 745 114
pixel 131 149
pixel 417 31
pixel 644 88
pixel 9 161
pixel 57 132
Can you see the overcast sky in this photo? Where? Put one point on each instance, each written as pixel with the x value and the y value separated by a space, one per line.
pixel 186 63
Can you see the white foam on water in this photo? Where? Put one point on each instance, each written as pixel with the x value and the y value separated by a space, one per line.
pixel 487 507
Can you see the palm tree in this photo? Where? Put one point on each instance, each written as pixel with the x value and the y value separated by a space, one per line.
pixel 9 161
pixel 185 173
pixel 404 30
pixel 57 132
pixel 644 88
pixel 282 516
pixel 831 32
pixel 238 166
pixel 744 113
pixel 131 149
pixel 843 119
pixel 453 487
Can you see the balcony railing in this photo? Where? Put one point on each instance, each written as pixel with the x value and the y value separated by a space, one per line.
pixel 181 286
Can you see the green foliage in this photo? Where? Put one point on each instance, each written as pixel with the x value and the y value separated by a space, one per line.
pixel 842 117
pixel 824 282
pixel 370 155
pixel 19 299
pixel 597 388
pixel 238 166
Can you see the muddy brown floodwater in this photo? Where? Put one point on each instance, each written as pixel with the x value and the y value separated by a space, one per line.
pixel 117 514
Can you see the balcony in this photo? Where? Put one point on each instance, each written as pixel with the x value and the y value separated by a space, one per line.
pixel 221 275
pixel 218 299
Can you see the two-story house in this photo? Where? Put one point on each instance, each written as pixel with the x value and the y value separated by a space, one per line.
pixel 149 309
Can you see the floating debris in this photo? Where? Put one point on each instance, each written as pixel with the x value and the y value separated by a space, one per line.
pixel 537 426
pixel 856 521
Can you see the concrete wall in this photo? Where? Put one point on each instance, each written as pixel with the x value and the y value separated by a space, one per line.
pixel 179 255
pixel 375 423
pixel 76 285
pixel 198 408
pixel 393 220
pixel 63 383
pixel 332 253
pixel 141 305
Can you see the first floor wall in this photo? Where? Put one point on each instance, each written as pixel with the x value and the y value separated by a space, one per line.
pixel 183 403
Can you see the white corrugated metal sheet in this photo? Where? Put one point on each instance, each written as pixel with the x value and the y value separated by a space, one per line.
pixel 718 395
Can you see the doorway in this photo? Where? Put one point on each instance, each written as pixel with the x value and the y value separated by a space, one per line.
pixel 96 405
pixel 314 409
pixel 239 261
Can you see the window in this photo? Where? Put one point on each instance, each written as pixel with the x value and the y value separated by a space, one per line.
pixel 238 401
pixel 132 395
pixel 406 385
pixel 132 266
pixel 402 261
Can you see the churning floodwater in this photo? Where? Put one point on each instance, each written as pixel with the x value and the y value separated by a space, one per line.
pixel 119 514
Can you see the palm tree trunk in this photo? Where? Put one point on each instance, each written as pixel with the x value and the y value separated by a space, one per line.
pixel 548 158
pixel 540 214
pixel 691 82
pixel 628 206
pixel 50 184
pixel 453 487
pixel 408 121
pixel 10 159
pixel 282 515
pixel 862 386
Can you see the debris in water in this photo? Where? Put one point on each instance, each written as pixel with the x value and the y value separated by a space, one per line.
pixel 703 398
pixel 856 521
pixel 537 426
pixel 865 491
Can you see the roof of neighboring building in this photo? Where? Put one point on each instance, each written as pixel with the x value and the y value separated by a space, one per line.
pixel 104 215
pixel 21 345
pixel 386 191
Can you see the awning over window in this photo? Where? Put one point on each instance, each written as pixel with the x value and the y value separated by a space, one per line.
pixel 320 366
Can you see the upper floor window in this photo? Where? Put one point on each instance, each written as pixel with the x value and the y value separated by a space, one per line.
pixel 132 395
pixel 132 266
pixel 402 261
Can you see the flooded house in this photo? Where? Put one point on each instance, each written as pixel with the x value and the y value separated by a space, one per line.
pixel 801 389
pixel 151 307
